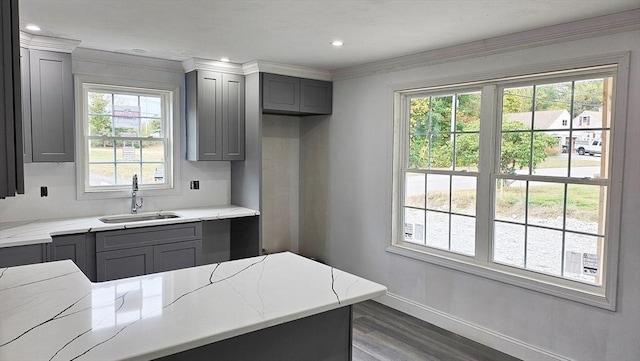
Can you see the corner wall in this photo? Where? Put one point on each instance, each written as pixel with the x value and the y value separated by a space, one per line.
pixel 346 220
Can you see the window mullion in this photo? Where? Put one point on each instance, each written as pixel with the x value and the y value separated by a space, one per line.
pixel 484 204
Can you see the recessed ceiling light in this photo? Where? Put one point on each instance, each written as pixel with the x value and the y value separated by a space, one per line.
pixel 139 51
pixel 226 60
pixel 337 43
pixel 32 27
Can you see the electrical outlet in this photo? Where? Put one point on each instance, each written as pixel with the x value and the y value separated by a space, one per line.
pixel 44 191
pixel 194 184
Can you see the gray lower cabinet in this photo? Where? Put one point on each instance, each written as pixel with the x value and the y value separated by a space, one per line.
pixel 138 251
pixel 130 262
pixel 22 255
pixel 51 123
pixel 283 94
pixel 215 116
pixel 80 248
pixel 172 256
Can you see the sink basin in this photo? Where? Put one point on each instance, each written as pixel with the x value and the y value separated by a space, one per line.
pixel 137 217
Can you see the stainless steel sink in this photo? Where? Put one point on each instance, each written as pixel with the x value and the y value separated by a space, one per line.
pixel 125 218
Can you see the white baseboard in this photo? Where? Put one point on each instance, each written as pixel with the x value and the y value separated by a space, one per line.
pixel 473 332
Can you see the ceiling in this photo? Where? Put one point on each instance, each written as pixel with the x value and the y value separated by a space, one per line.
pixel 297 32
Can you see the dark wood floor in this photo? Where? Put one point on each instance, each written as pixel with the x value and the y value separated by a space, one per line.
pixel 381 333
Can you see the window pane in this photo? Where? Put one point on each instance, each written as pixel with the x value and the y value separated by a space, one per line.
pixel 463 195
pixel 586 206
pixel 468 111
pixel 152 151
pixel 508 247
pixel 544 250
pixel 591 156
pixel 128 150
pixel 438 192
pixel 101 151
pixel 418 137
pixel 582 258
pixel 510 200
pixel 437 230
pixel 99 103
pixel 589 95
pixel 463 234
pixel 414 190
pixel 553 104
pixel 152 173
pixel 517 104
pixel 467 145
pixel 102 174
pixel 515 151
pixel 548 158
pixel 125 173
pixel 151 128
pixel 151 107
pixel 414 225
pixel 546 204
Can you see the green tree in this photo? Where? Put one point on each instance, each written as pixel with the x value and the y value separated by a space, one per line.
pixel 515 151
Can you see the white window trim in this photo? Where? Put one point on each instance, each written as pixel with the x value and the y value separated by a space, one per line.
pixel 599 296
pixel 173 113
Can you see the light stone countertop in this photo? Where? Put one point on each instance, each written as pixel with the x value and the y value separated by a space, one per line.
pixel 41 231
pixel 51 311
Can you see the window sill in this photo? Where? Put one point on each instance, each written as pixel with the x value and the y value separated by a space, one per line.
pixel 589 295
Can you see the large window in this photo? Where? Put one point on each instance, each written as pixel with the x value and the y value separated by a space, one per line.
pixel 125 132
pixel 506 179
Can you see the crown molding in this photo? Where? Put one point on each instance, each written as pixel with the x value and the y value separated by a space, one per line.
pixel 86 55
pixel 211 65
pixel 38 42
pixel 285 69
pixel 582 29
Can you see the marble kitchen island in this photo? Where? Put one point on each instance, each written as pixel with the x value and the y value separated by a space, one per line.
pixel 280 306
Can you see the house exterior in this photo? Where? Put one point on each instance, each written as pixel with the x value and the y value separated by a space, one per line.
pixel 584 126
pixel 554 120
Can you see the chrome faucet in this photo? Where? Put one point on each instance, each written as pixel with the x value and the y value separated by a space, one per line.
pixel 134 189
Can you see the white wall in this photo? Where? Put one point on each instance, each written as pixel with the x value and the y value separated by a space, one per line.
pixel 280 182
pixel 60 178
pixel 350 224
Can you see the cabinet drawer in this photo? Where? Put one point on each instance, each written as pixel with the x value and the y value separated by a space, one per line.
pixel 136 237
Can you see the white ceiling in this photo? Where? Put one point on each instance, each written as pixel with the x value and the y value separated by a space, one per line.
pixel 297 32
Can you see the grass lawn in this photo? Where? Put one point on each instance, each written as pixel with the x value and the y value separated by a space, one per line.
pixel 583 201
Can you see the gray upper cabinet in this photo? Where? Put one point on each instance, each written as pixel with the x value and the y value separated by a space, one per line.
pixel 215 116
pixel 295 96
pixel 315 96
pixel 11 167
pixel 51 88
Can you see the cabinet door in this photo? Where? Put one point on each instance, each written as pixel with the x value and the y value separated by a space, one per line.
pixel 130 262
pixel 315 96
pixel 204 115
pixel 69 247
pixel 11 159
pixel 233 117
pixel 26 104
pixel 51 106
pixel 21 255
pixel 280 94
pixel 172 256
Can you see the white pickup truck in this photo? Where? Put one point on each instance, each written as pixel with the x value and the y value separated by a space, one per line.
pixel 590 147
